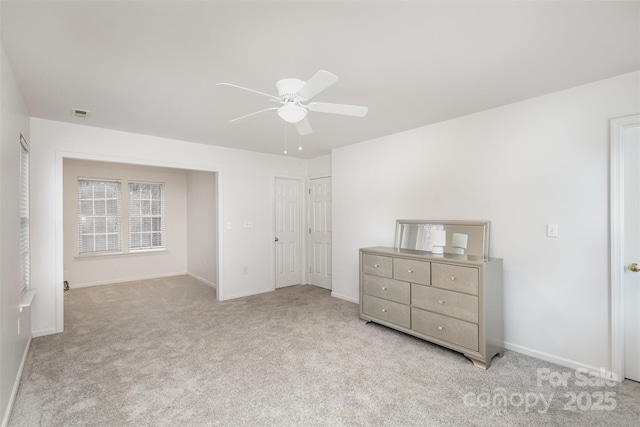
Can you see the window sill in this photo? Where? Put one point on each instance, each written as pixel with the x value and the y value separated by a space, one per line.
pixel 27 298
pixel 83 257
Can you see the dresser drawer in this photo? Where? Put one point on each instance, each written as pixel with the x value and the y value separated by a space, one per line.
pixel 453 304
pixel 377 265
pixel 445 328
pixel 412 271
pixel 390 311
pixel 390 289
pixel 455 278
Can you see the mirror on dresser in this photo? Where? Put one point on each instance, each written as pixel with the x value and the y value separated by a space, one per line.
pixel 470 238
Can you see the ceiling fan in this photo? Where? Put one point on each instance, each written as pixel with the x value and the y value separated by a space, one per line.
pixel 293 95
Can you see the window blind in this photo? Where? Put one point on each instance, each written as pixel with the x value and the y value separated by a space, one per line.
pixel 24 215
pixel 146 216
pixel 99 207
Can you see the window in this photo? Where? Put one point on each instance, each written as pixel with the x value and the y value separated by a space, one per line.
pixel 146 216
pixel 101 222
pixel 99 216
pixel 24 215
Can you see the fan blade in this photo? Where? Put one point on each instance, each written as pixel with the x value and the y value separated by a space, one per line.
pixel 271 97
pixel 304 127
pixel 316 84
pixel 252 114
pixel 347 110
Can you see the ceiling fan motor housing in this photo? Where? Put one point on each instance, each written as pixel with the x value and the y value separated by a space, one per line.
pixel 288 88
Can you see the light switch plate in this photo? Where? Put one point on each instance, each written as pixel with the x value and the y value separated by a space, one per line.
pixel 552 230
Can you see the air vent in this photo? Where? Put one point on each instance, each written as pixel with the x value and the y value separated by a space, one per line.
pixel 80 113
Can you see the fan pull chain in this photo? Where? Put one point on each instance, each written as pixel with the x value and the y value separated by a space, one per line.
pixel 285 137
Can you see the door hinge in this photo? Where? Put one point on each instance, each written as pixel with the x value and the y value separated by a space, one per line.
pixel 309 230
pixel 309 191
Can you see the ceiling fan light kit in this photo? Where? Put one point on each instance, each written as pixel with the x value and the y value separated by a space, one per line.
pixel 292 93
pixel 290 112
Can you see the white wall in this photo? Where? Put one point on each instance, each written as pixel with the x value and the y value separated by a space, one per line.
pixel 202 218
pixel 521 166
pixel 88 271
pixel 245 190
pixel 14 119
pixel 320 166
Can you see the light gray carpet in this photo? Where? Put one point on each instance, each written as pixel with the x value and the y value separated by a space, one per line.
pixel 165 353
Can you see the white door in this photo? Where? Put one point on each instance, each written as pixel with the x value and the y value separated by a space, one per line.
pixel 631 280
pixel 288 232
pixel 320 232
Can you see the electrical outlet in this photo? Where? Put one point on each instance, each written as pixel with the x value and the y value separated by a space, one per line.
pixel 248 224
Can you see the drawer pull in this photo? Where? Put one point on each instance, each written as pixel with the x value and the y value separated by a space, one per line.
pixel 440 301
pixel 376 265
pixel 441 328
pixel 410 271
pixel 384 310
pixel 453 278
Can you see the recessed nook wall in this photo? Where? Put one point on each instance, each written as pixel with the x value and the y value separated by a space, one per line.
pixel 97 270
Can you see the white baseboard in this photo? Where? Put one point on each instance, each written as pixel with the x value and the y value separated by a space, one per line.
pixel 247 294
pixel 344 297
pixel 600 371
pixel 16 384
pixel 43 332
pixel 126 279
pixel 205 281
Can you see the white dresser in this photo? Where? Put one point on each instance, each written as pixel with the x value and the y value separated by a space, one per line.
pixel 451 300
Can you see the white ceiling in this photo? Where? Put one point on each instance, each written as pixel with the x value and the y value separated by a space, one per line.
pixel 151 67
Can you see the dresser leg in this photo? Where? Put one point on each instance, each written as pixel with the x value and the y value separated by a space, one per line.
pixel 482 364
pixel 478 363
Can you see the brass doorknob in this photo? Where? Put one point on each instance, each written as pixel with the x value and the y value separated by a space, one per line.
pixel 276 239
pixel 634 267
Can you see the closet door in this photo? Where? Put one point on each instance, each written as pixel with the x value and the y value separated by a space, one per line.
pixel 288 232
pixel 320 232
